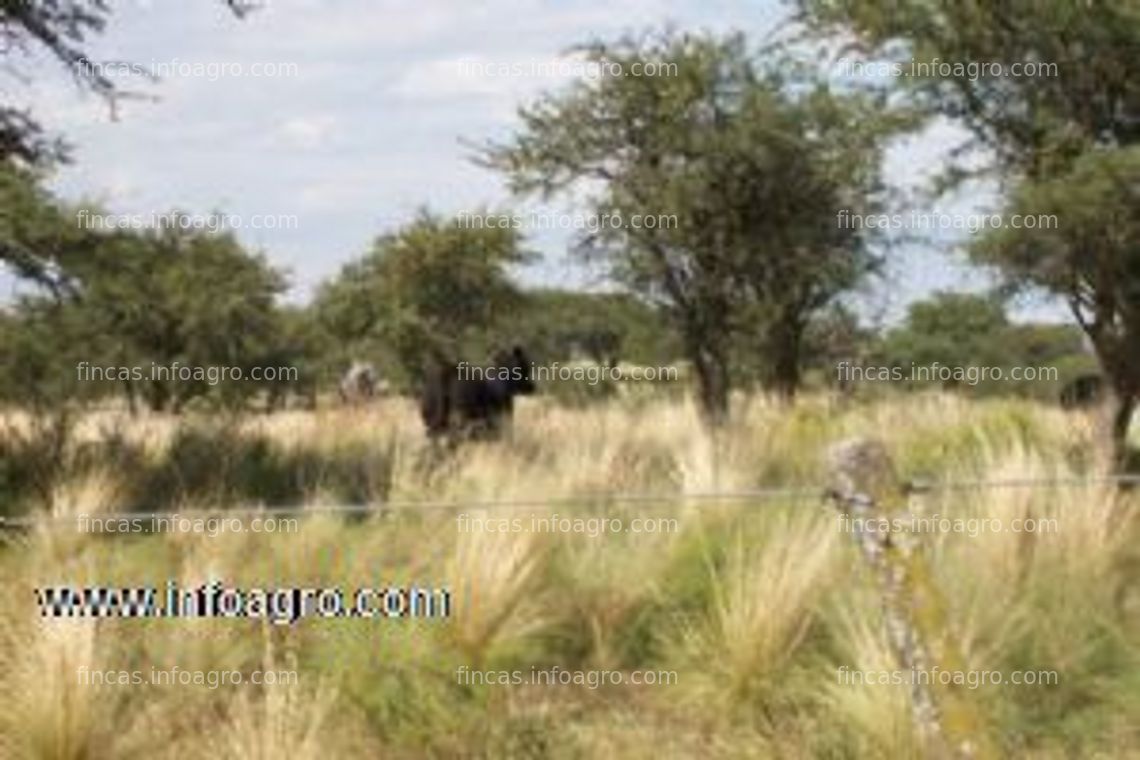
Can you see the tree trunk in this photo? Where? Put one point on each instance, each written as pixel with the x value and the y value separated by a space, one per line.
pixel 1121 408
pixel 1116 350
pixel 132 398
pixel 784 348
pixel 786 363
pixel 157 396
pixel 712 385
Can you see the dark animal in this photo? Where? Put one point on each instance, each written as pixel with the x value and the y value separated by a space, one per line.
pixel 1083 391
pixel 461 399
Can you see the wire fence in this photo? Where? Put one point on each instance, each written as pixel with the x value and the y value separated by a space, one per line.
pixel 917 618
pixel 765 495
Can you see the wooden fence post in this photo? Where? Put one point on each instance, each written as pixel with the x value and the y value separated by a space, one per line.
pixel 869 492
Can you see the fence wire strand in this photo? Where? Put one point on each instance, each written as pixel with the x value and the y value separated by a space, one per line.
pixel 390 508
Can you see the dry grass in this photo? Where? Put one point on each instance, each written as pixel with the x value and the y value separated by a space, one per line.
pixel 763 602
pixel 754 606
pixel 498 579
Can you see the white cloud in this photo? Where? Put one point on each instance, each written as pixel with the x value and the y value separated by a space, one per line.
pixel 515 76
pixel 311 131
pixel 368 129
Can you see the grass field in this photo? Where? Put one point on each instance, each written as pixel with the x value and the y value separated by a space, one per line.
pixel 744 611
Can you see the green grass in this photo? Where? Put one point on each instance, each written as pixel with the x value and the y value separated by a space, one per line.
pixel 754 606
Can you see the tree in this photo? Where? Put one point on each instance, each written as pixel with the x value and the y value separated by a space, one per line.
pixel 40 239
pixel 185 296
pixel 1064 140
pixel 63 30
pixel 742 171
pixel 42 339
pixel 101 284
pixel 836 335
pixel 961 333
pixel 144 302
pixel 42 343
pixel 604 327
pixel 953 330
pixel 433 288
pixel 1091 257
pixel 300 345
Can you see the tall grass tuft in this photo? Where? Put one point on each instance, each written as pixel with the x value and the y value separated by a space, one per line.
pixel 763 600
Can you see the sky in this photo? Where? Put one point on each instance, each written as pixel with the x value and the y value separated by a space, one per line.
pixel 369 118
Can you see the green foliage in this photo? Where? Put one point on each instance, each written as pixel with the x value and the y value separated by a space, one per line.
pixel 953 329
pixel 63 31
pixel 191 297
pixel 960 330
pixel 832 336
pixel 1065 141
pixel 298 343
pixel 747 166
pixel 560 325
pixel 219 464
pixel 40 239
pixel 42 343
pixel 33 460
pixel 211 463
pixel 1037 125
pixel 118 303
pixel 1090 255
pixel 434 287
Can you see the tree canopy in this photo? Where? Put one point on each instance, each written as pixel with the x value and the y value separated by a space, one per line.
pixel 741 167
pixel 1064 140
pixel 434 287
